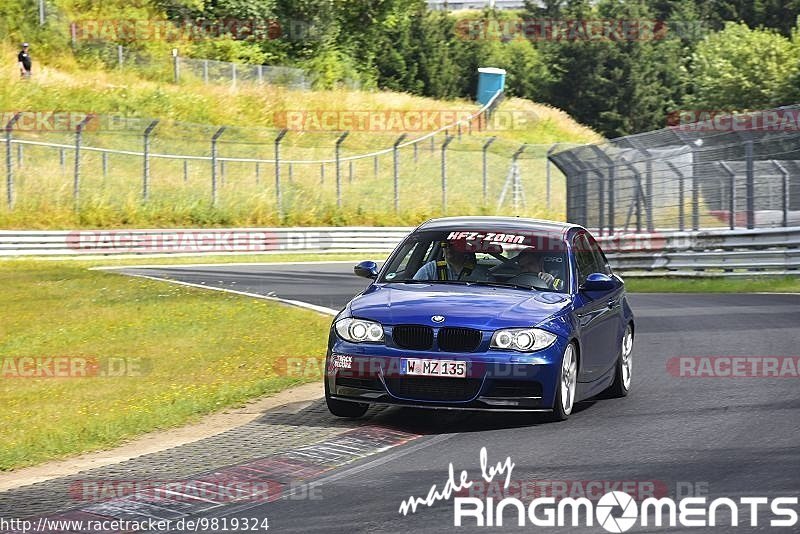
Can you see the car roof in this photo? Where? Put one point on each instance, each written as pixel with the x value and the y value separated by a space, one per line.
pixel 499 223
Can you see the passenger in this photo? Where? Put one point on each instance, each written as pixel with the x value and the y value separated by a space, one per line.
pixel 531 266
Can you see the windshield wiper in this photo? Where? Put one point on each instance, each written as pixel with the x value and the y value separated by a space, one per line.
pixel 505 284
pixel 412 281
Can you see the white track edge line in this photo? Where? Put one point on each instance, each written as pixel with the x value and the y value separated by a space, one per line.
pixel 297 303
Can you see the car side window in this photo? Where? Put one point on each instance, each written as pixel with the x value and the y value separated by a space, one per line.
pixel 599 257
pixel 585 258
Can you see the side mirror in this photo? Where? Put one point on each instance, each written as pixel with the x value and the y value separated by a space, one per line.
pixel 598 282
pixel 367 269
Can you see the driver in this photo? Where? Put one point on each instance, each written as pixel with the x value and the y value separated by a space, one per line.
pixel 458 264
pixel 531 265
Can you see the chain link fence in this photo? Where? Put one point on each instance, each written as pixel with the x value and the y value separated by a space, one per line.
pixel 224 72
pixel 301 177
pixel 177 68
pixel 732 171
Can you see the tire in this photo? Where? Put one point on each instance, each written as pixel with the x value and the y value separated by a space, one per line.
pixel 622 377
pixel 567 385
pixel 339 408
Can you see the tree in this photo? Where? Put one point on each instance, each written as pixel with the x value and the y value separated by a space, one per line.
pixel 740 68
pixel 616 85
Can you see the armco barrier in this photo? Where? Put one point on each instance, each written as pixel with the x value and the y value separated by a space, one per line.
pixel 700 253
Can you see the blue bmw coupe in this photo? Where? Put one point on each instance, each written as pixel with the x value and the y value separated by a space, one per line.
pixel 483 313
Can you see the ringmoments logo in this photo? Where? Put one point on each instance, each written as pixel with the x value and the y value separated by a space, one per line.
pixel 615 511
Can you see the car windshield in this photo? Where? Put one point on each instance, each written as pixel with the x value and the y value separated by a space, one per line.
pixel 518 259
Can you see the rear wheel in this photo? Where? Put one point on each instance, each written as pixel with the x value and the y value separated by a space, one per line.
pixel 344 408
pixel 567 383
pixel 622 379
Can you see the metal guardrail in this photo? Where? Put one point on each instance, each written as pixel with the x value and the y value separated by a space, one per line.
pixel 191 242
pixel 701 253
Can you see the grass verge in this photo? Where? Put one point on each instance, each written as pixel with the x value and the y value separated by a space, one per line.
pixel 782 284
pixel 181 353
pixel 112 261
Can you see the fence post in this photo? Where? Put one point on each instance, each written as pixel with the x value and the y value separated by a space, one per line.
pixel 785 191
pixel 601 212
pixel 176 66
pixel 222 173
pixel 486 146
pixel 611 185
pixel 396 171
pixel 350 172
pixel 260 74
pixel 105 165
pixel 278 195
pixel 681 195
pixel 62 159
pixel 205 71
pixel 258 173
pixel 41 13
pixel 214 139
pixel 338 149
pixel 76 184
pixel 750 184
pixel 146 154
pixel 120 58
pixel 185 170
pixel 375 166
pixel 447 141
pixel 9 162
pixel 547 172
pixel 20 156
pixel 321 173
pixel 516 186
pixel 233 74
pixel 291 173
pixel 695 203
pixel 732 193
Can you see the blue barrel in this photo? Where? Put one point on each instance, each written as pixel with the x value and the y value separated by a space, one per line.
pixel 490 80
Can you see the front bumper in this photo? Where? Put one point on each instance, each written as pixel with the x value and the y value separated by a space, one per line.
pixel 496 380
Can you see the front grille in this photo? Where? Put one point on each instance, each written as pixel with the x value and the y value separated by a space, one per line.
pixel 459 339
pixel 433 388
pixel 515 388
pixel 413 337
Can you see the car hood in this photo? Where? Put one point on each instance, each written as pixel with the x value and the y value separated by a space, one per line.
pixel 478 307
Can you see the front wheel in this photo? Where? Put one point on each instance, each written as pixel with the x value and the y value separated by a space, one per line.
pixel 622 378
pixel 567 383
pixel 339 408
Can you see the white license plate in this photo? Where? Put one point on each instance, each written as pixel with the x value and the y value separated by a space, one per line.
pixel 450 368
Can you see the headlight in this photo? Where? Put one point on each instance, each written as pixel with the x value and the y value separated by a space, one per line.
pixel 359 330
pixel 522 339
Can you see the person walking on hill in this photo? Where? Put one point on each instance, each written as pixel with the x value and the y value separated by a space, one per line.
pixel 24 60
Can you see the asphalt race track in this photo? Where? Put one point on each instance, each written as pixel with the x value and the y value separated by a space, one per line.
pixel 707 436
